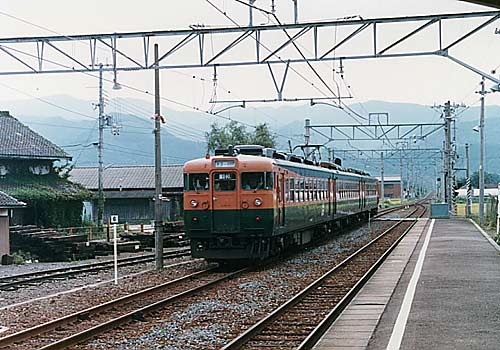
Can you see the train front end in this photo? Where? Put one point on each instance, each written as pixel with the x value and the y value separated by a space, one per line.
pixel 228 207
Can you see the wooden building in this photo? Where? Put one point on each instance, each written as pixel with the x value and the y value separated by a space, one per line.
pixel 7 204
pixel 129 192
pixel 32 170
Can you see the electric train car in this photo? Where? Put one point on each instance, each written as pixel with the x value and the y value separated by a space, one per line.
pixel 249 203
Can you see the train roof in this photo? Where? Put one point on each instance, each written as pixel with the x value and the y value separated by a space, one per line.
pixel 266 163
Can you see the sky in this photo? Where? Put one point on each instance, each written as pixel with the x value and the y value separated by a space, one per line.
pixel 425 80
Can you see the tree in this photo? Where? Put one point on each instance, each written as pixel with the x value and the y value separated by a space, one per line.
pixel 489 178
pixel 235 134
pixel 263 136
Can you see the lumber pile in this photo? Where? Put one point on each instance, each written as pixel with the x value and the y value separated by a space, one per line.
pixel 49 244
pixel 173 236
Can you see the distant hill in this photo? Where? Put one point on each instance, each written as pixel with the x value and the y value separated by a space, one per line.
pixel 183 134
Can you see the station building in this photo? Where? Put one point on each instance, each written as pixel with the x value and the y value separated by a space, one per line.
pixel 392 186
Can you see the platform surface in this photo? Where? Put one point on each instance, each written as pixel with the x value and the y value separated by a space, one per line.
pixel 456 299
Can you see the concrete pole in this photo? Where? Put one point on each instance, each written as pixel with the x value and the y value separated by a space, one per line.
pixel 467 182
pixel 158 185
pixel 401 183
pixel 307 136
pixel 481 157
pixel 382 194
pixel 447 158
pixel 100 147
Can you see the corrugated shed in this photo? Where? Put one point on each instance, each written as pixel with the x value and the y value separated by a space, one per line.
pixel 128 177
pixel 19 141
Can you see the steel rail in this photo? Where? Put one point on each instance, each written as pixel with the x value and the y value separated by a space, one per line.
pixel 325 324
pixel 26 278
pixel 138 313
pixel 86 313
pixel 245 337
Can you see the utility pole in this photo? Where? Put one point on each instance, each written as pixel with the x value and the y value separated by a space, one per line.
pixel 467 183
pixel 100 146
pixel 401 183
pixel 481 156
pixel 448 180
pixel 382 194
pixel 307 136
pixel 158 185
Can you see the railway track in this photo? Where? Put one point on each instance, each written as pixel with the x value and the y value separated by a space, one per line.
pixel 14 282
pixel 86 324
pixel 302 320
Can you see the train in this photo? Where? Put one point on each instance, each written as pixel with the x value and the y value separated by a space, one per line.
pixel 248 203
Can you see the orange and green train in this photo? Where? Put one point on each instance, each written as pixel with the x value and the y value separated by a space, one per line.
pixel 248 206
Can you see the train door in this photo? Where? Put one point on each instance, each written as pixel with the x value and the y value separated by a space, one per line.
pixel 225 201
pixel 280 188
pixel 360 194
pixel 329 196
pixel 334 196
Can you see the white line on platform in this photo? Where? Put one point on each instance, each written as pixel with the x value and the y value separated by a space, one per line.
pixel 399 328
pixel 486 235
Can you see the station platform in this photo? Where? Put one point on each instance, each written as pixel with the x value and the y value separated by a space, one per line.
pixel 439 289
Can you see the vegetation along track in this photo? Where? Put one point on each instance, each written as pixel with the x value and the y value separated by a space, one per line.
pixel 16 281
pixel 302 320
pixel 83 325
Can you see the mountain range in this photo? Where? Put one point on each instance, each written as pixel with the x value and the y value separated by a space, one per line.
pixel 72 124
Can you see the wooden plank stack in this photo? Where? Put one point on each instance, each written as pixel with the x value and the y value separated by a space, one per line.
pixel 49 244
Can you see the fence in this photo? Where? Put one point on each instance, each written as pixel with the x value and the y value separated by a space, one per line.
pixel 490 209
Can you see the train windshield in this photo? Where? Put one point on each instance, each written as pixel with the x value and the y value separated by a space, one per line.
pixel 224 182
pixel 196 182
pixel 256 181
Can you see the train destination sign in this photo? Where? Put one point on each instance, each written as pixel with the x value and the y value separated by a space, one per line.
pixel 224 163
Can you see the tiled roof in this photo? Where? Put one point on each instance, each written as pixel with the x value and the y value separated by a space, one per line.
pixel 128 177
pixel 7 201
pixel 19 141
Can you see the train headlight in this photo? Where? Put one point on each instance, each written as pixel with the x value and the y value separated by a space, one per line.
pixel 258 202
pixel 194 203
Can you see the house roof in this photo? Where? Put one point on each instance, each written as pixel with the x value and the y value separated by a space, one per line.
pixel 128 177
pixel 7 201
pixel 19 141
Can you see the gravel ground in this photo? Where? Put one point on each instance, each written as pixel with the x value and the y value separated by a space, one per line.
pixel 201 322
pixel 31 314
pixel 208 321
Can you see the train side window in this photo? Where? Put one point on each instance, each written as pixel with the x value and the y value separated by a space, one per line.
pixel 224 182
pixel 292 189
pixel 196 182
pixel 256 181
pixel 287 190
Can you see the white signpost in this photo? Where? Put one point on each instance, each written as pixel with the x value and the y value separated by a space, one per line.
pixel 114 221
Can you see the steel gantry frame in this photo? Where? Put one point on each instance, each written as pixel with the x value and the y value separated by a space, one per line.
pixel 130 51
pixel 377 132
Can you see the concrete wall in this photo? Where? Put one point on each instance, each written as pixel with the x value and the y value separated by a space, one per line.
pixel 4 232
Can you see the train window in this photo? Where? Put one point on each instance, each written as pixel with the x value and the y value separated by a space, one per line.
pixel 257 181
pixel 287 190
pixel 292 189
pixel 224 181
pixel 196 182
